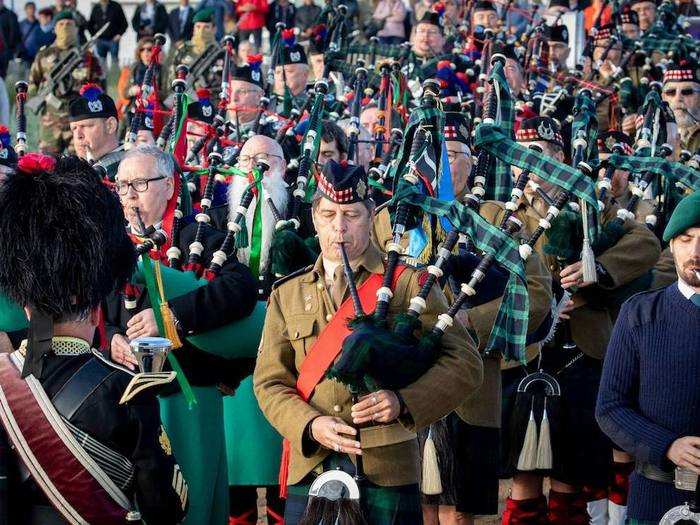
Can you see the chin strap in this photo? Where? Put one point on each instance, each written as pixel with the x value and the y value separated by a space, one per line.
pixel 38 344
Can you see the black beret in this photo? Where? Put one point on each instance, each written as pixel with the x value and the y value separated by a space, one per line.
pixel 92 103
pixel 540 128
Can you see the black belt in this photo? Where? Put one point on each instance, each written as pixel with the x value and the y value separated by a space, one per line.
pixel 654 473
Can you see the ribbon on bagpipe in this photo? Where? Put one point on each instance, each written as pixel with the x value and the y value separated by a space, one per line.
pixel 500 185
pixel 673 171
pixel 154 284
pixel 492 138
pixel 585 125
pixel 254 239
pixel 509 331
pixel 664 36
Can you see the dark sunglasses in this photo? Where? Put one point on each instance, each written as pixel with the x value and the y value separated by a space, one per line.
pixel 686 92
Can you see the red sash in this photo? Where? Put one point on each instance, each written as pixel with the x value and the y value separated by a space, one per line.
pixel 325 350
pixel 54 458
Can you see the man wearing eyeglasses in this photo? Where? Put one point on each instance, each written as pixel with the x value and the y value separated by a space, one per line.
pixel 681 90
pixel 145 182
pixel 94 124
pixel 246 91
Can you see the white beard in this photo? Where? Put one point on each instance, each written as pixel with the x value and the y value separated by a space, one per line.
pixel 274 186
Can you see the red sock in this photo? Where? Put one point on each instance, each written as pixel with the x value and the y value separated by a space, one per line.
pixel 595 493
pixel 619 487
pixel 567 509
pixel 525 512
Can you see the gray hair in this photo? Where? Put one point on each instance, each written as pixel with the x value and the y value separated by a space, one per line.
pixel 165 166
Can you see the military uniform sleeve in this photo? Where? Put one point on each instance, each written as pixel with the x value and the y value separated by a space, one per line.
pixel 634 254
pixel 161 490
pixel 275 376
pixel 664 272
pixel 36 75
pixel 456 374
pixel 228 297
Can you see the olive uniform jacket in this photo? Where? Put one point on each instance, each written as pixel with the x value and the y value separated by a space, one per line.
pixel 299 309
pixel 634 254
pixel 483 407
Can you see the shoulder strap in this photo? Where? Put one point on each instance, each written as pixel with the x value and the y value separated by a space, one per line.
pixel 329 343
pixel 79 387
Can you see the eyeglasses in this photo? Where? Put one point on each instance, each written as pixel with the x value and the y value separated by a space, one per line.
pixel 246 159
pixel 139 185
pixel 240 92
pixel 427 32
pixel 686 92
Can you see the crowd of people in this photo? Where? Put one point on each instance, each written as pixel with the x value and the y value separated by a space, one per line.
pixel 368 261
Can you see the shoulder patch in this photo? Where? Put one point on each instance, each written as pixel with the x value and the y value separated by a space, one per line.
pixel 286 278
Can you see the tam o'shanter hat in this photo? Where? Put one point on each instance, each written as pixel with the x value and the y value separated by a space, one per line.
pixel 292 52
pixel 93 102
pixel 540 128
pixel 8 157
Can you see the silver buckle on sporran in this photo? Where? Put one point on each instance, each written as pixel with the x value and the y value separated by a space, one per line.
pixel 151 353
pixel 686 480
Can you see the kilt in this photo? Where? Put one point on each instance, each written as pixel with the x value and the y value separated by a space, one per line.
pixel 380 505
pixel 468 457
pixel 582 453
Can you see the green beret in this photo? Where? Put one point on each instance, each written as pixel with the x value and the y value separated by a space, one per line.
pixel 686 215
pixel 66 14
pixel 204 15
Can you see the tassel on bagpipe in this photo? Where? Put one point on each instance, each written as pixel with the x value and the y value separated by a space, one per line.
pixel 21 88
pixel 179 86
pixel 309 149
pixel 148 86
pixel 219 124
pixel 236 235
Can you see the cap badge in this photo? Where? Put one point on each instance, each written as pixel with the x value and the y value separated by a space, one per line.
pixel 295 56
pixel 95 106
pixel 206 111
pixel 361 190
pixel 545 131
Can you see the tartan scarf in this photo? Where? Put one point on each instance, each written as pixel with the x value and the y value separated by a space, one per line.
pixel 672 171
pixel 586 124
pixel 500 185
pixel 505 148
pixel 509 331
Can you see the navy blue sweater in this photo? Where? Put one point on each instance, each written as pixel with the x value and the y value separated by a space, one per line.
pixel 650 389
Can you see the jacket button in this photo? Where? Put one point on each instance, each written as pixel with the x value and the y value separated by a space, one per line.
pixel 337 408
pixel 320 285
pixel 329 317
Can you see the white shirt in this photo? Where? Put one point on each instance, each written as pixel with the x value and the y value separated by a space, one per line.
pixel 685 289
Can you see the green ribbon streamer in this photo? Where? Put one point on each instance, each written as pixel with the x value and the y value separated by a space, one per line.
pixel 496 142
pixel 509 333
pixel 500 185
pixel 674 171
pixel 154 296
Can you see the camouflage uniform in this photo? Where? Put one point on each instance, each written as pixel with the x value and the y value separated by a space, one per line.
pixel 186 54
pixel 54 133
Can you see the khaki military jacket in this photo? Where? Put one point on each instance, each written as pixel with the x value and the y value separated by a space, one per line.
pixel 690 139
pixel 664 272
pixel 299 309
pixel 635 253
pixel 185 53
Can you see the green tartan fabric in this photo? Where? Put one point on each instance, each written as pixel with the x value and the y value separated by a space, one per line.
pixel 500 185
pixel 348 71
pixel 585 124
pixel 510 328
pixel 653 100
pixel 546 168
pixel 673 171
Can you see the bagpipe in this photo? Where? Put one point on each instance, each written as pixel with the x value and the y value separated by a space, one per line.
pixel 60 72
pixel 21 88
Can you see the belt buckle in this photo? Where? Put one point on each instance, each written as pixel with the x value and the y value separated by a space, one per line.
pixel 685 479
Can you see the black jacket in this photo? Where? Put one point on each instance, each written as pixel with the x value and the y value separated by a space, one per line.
pixel 229 297
pixel 132 429
pixel 112 13
pixel 159 24
pixel 175 31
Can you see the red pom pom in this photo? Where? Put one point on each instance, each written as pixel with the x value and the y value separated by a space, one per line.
pixel 255 59
pixel 3 130
pixel 36 163
pixel 203 93
pixel 343 163
pixel 90 86
pixel 444 64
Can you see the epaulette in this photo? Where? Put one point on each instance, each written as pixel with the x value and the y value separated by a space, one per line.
pixel 286 278
pixel 111 364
